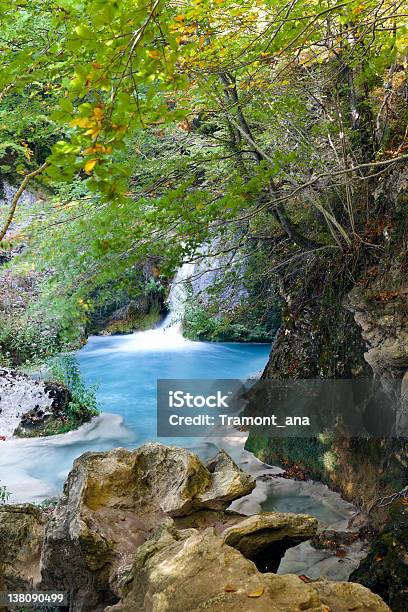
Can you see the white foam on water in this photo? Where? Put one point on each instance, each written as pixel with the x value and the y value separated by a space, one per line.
pixel 160 339
pixel 19 394
pixel 168 336
pixel 31 468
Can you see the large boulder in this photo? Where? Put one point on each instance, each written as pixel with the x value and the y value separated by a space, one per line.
pixel 148 530
pixel 21 538
pixel 264 538
pixel 111 503
pixel 227 482
pixel 189 570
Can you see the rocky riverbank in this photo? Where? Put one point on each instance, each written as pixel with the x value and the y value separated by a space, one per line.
pixel 150 529
pixel 31 408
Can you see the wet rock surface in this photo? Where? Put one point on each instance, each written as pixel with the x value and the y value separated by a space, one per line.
pixel 27 405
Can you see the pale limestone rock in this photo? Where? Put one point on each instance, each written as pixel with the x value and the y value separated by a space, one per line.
pixel 21 537
pixel 258 532
pixel 112 500
pixel 191 571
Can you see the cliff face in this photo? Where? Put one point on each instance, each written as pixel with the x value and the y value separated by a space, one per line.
pixel 380 300
pixel 135 302
pixel 350 319
pixel 365 334
pixel 346 325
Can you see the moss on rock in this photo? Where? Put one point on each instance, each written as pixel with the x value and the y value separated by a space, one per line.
pixel 385 569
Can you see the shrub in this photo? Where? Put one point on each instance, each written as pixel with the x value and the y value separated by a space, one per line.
pixel 83 405
pixel 200 324
pixel 23 343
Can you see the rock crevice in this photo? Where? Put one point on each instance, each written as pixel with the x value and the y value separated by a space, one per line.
pixel 149 530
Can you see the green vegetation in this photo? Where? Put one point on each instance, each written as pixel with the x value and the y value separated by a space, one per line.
pixel 240 304
pixel 25 343
pixel 200 324
pixel 133 302
pixel 314 456
pixel 386 559
pixel 83 405
pixel 259 138
pixel 74 409
pixel 153 129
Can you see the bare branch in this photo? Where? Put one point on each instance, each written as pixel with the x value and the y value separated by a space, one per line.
pixel 16 198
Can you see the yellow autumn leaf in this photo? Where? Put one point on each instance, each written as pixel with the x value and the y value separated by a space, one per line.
pixel 258 593
pixel 27 151
pixel 154 54
pixel 93 131
pixel 82 122
pixel 179 18
pixel 97 148
pixel 90 165
pixel 358 9
pixel 98 112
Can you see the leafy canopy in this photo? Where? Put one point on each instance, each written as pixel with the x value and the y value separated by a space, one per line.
pixel 164 123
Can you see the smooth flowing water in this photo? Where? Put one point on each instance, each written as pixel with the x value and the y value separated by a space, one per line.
pixel 126 369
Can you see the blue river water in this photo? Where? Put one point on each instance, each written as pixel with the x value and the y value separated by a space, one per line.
pixel 126 369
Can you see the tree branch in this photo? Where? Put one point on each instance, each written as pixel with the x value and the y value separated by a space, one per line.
pixel 291 229
pixel 16 198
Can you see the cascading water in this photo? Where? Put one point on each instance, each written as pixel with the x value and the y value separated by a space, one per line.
pixel 126 369
pixel 178 296
pixel 168 335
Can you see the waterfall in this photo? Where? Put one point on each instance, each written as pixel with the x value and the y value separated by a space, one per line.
pixel 178 295
pixel 168 335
